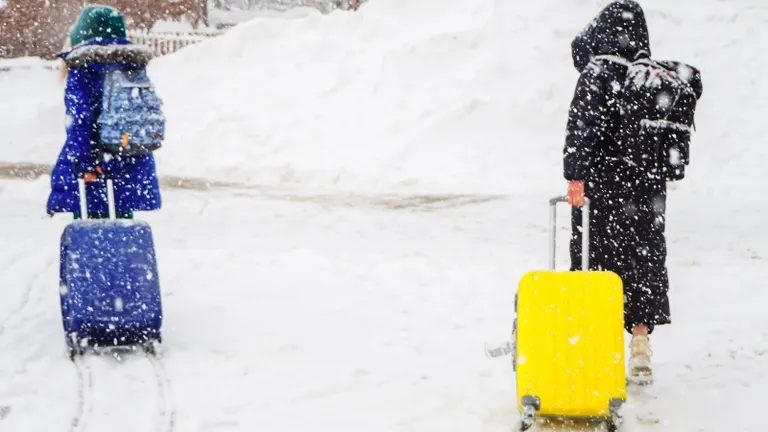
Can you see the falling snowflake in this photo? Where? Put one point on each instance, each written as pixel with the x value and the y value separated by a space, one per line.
pixel 663 101
pixel 674 157
pixel 684 72
pixel 627 15
pixel 624 39
pixel 630 209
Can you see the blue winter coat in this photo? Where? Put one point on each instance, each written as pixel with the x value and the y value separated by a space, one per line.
pixel 135 178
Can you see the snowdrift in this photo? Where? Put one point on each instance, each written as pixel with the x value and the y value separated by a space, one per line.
pixel 416 96
pixel 32 114
pixel 396 94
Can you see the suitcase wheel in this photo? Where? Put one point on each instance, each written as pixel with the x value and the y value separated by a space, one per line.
pixel 531 404
pixel 526 419
pixel 149 348
pixel 75 346
pixel 150 345
pixel 514 345
pixel 73 353
pixel 614 423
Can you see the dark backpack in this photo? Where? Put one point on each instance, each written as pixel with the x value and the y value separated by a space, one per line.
pixel 131 122
pixel 658 104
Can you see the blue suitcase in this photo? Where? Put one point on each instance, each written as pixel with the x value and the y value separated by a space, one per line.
pixel 110 289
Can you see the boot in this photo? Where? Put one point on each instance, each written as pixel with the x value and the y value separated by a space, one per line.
pixel 640 371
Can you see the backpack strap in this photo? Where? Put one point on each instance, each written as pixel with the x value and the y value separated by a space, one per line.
pixel 665 124
pixel 618 60
pixel 647 62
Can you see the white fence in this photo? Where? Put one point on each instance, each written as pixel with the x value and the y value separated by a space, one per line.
pixel 163 43
pixel 324 6
pixel 168 42
pixel 222 8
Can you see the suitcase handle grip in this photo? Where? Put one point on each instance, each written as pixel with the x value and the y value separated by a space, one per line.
pixel 84 202
pixel 553 231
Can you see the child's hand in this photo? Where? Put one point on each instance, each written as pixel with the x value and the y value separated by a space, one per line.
pixel 94 175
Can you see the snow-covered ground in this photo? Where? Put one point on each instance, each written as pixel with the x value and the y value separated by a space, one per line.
pixel 295 305
pixel 335 314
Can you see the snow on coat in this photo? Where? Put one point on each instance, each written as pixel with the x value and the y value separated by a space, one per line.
pixel 627 211
pixel 135 178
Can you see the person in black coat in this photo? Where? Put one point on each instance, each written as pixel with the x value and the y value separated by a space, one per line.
pixel 627 209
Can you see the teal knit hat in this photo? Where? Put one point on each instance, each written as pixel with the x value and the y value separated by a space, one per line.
pixel 97 22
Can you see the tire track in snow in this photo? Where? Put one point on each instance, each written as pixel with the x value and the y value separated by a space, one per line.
pixel 117 378
pixel 167 411
pixel 84 395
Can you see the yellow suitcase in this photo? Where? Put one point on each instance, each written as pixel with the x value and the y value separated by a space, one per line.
pixel 569 341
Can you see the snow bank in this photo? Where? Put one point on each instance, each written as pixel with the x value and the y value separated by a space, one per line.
pixel 338 100
pixel 467 98
pixel 416 95
pixel 31 111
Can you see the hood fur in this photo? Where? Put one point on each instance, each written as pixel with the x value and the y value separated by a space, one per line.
pixel 100 54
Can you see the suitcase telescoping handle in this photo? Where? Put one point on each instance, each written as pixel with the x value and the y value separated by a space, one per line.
pixel 84 202
pixel 553 231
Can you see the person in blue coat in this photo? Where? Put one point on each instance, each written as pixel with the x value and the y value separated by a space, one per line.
pixel 99 45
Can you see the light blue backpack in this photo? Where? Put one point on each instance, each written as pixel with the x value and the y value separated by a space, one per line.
pixel 131 122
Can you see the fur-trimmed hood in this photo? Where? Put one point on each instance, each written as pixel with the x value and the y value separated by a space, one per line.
pixel 106 51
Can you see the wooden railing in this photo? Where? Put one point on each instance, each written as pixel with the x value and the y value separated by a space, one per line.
pixel 163 43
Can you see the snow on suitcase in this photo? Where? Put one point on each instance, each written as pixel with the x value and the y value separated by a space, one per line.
pixel 110 290
pixel 569 340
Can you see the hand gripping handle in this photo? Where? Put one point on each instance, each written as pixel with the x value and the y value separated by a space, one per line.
pixel 553 231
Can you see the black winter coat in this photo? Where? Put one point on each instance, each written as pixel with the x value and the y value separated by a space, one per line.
pixel 627 211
